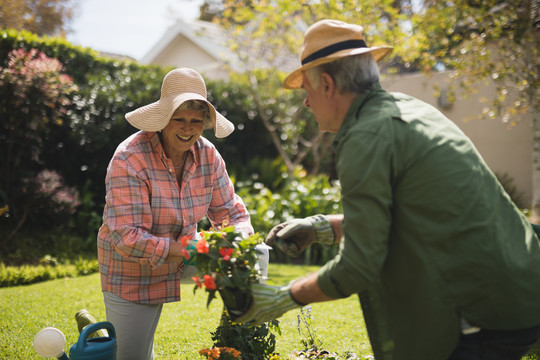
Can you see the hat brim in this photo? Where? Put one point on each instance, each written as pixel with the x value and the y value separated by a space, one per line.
pixel 155 116
pixel 294 79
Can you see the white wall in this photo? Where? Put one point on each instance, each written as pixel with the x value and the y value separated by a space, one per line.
pixel 505 148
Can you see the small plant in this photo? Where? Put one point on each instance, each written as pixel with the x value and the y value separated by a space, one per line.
pixel 306 331
pixel 254 342
pixel 312 344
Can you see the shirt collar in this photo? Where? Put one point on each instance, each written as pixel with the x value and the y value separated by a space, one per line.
pixel 350 116
pixel 153 138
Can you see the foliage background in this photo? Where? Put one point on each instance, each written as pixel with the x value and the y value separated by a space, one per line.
pixel 276 145
pixel 80 144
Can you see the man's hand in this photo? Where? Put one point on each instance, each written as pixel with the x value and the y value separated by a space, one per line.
pixel 268 303
pixel 295 235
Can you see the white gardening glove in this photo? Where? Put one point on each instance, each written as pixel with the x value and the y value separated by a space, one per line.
pixel 295 235
pixel 268 303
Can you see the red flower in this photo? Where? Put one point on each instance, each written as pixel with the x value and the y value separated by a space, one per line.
pixel 185 254
pixel 185 241
pixel 197 281
pixel 202 247
pixel 209 282
pixel 226 253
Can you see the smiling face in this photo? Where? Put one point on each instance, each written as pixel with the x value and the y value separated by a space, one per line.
pixel 182 131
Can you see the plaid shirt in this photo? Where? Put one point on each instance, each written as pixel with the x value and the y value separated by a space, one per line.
pixel 146 209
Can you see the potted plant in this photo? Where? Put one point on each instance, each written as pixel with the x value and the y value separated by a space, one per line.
pixel 227 264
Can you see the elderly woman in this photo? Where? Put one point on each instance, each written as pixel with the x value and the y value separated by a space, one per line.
pixel 160 183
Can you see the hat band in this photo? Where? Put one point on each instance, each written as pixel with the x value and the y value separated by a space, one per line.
pixel 329 50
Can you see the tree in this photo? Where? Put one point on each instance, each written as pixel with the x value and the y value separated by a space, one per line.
pixel 210 10
pixel 489 41
pixel 266 39
pixel 43 17
pixel 492 41
pixel 258 47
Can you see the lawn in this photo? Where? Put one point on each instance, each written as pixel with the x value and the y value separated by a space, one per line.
pixel 184 327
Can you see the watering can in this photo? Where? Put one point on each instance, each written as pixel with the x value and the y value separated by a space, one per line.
pixel 50 342
pixel 98 348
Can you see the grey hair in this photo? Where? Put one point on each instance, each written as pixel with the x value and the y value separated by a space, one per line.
pixel 199 105
pixel 356 74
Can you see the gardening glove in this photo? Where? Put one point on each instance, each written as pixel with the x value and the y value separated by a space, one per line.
pixel 268 303
pixel 295 235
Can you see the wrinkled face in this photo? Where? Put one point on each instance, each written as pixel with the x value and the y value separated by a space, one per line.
pixel 318 102
pixel 182 131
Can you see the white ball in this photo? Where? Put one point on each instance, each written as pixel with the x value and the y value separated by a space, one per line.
pixel 50 342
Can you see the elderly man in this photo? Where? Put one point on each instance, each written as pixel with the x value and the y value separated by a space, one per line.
pixel 445 265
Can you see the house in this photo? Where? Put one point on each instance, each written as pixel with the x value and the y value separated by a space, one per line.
pixel 199 45
pixel 506 149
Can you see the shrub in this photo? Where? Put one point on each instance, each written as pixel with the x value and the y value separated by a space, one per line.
pixel 26 274
pixel 71 133
pixel 298 197
pixel 253 342
pixel 34 97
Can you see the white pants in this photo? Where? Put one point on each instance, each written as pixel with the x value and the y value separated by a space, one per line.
pixel 135 325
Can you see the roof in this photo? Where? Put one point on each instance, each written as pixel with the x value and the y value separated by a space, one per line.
pixel 207 36
pixel 195 37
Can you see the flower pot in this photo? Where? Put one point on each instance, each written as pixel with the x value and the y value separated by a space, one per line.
pixel 236 301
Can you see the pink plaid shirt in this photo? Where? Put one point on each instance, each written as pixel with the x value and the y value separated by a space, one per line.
pixel 146 209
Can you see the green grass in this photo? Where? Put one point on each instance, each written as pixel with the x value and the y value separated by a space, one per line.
pixel 184 327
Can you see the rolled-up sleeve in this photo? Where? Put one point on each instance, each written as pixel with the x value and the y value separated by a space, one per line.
pixel 367 200
pixel 128 216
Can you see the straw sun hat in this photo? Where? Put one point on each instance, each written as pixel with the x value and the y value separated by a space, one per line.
pixel 178 86
pixel 329 40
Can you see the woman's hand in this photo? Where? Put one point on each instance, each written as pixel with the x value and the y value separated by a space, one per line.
pixel 175 252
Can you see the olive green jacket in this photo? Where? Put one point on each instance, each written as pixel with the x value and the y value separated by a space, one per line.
pixel 430 235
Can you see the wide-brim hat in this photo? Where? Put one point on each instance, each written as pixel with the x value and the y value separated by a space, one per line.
pixel 329 40
pixel 179 86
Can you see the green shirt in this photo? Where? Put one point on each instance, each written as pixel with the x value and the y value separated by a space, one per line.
pixel 430 235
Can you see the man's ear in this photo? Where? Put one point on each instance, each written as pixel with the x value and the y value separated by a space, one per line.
pixel 328 84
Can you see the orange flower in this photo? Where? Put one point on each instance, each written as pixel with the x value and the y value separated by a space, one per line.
pixel 209 282
pixel 214 354
pixel 211 354
pixel 197 281
pixel 226 253
pixel 217 352
pixel 202 247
